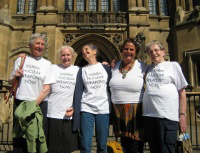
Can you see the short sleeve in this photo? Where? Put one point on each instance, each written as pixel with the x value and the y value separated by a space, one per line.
pixel 50 77
pixel 179 78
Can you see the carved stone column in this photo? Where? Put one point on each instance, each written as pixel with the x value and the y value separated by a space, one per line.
pixel 111 5
pixel 139 2
pixel 87 5
pixel 190 5
pixel 75 5
pixel 98 5
pixel 146 4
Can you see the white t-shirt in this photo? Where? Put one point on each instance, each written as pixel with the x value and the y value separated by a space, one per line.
pixel 31 83
pixel 161 98
pixel 95 97
pixel 62 81
pixel 130 89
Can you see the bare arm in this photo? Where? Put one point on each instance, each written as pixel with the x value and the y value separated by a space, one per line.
pixel 45 91
pixel 182 109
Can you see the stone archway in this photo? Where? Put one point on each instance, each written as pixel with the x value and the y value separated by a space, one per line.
pixel 108 51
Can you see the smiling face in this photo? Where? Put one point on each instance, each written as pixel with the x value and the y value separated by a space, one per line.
pixel 37 47
pixel 66 57
pixel 156 54
pixel 129 52
pixel 88 53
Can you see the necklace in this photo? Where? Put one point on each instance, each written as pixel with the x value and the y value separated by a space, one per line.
pixel 123 71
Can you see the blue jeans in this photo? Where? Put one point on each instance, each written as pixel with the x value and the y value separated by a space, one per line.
pixel 86 131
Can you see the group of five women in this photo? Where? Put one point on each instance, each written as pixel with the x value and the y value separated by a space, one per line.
pixel 79 98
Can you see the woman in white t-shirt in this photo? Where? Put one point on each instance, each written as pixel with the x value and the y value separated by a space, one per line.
pixel 127 91
pixel 60 86
pixel 32 77
pixel 92 101
pixel 164 101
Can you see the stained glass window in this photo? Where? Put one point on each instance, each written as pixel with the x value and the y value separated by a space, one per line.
pixel 32 6
pixel 164 7
pixel 80 5
pixel 21 7
pixel 92 5
pixel 69 5
pixel 104 5
pixel 116 5
pixel 152 7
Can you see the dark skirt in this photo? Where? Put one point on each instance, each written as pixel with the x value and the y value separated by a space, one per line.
pixel 61 138
pixel 128 121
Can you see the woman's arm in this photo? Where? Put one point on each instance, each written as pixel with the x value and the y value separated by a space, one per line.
pixel 182 110
pixel 45 91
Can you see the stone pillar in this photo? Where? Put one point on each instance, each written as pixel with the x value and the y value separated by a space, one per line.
pixel 139 3
pixel 183 4
pixel 111 5
pixel 75 5
pixel 190 5
pixel 146 4
pixel 131 4
pixel 87 5
pixel 98 5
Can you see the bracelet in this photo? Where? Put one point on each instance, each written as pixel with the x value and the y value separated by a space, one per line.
pixel 183 114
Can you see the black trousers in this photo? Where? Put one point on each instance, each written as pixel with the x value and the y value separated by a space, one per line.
pixel 131 146
pixel 161 134
pixel 19 144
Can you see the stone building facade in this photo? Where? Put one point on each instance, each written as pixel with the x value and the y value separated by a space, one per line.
pixel 106 23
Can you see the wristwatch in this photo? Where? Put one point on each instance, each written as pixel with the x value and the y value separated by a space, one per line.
pixel 183 114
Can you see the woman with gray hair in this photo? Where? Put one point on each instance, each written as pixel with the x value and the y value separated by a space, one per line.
pixel 32 78
pixel 92 101
pixel 60 87
pixel 164 101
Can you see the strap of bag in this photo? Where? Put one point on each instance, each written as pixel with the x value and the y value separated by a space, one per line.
pixel 15 84
pixel 145 78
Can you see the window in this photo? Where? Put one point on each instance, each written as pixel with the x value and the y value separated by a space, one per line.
pixel 32 6
pixel 116 5
pixel 152 7
pixel 92 5
pixel 80 5
pixel 21 7
pixel 69 5
pixel 104 5
pixel 164 7
pixel 196 2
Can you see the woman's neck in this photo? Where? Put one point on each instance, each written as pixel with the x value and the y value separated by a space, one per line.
pixel 92 61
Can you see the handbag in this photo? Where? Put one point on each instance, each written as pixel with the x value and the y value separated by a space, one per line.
pixel 184 143
pixel 6 104
pixel 114 147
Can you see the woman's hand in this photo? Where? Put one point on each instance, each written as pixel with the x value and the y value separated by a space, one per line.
pixel 22 55
pixel 183 123
pixel 19 73
pixel 69 112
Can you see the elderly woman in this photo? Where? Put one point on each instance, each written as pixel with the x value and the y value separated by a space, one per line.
pixel 92 100
pixel 60 86
pixel 164 102
pixel 32 78
pixel 127 90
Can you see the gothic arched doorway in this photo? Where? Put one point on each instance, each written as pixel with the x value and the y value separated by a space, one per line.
pixel 107 50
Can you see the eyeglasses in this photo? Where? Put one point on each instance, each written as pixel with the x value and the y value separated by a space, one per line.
pixel 155 50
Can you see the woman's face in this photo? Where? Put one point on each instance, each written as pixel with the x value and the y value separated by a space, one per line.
pixel 156 54
pixel 66 57
pixel 37 47
pixel 129 52
pixel 88 53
